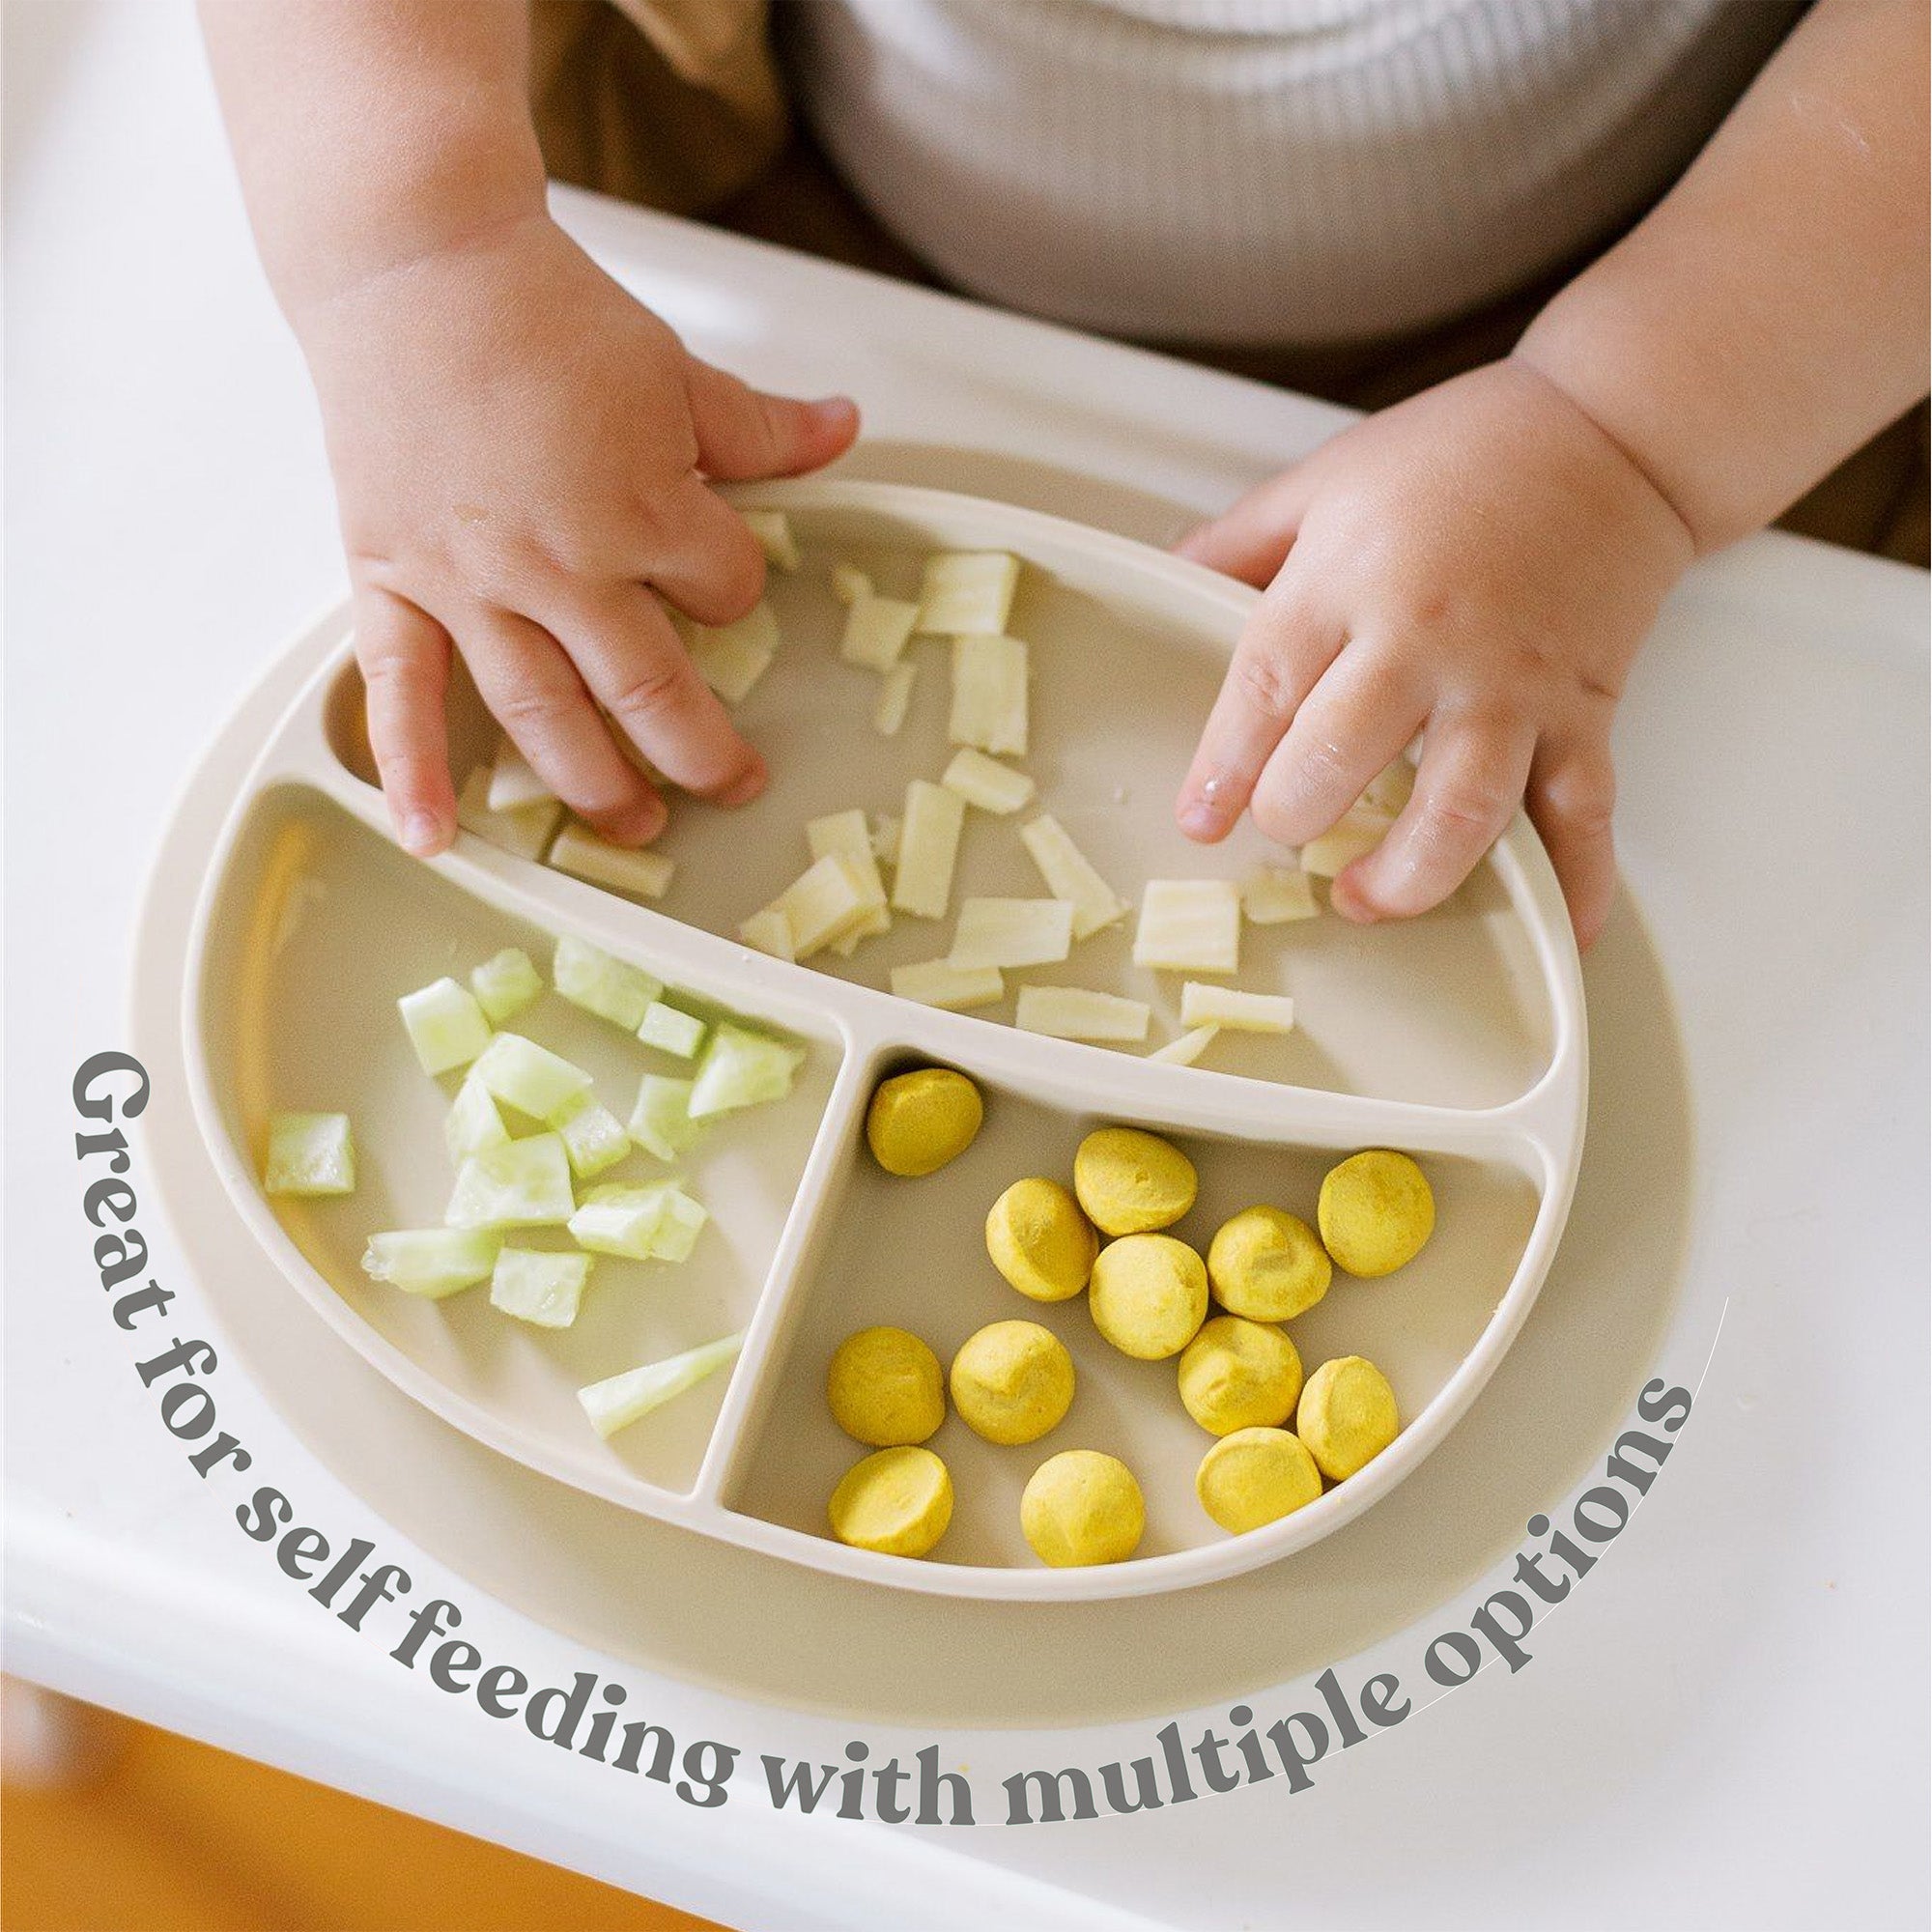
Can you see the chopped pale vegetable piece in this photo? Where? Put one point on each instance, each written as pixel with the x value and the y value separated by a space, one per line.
pixel 1187 1049
pixel 660 1121
pixel 1010 933
pixel 530 1078
pixel 678 1228
pixel 670 1030
pixel 886 838
pixel 619 1400
pixel 845 833
pixel 773 531
pixel 473 1123
pixel 830 899
pixel 537 1287
pixel 1274 895
pixel 893 699
pixel 523 1184
pixel 731 658
pixel 593 1138
pixel 1389 789
pixel 1358 830
pixel 929 845
pixel 742 1068
pixel 769 931
pixel 933 982
pixel 621 1219
pixel 967 592
pixel 1073 1013
pixel 877 631
pixel 309 1155
pixel 513 784
pixel 611 989
pixel 850 586
pixel 1068 876
pixel 1189 924
pixel 504 984
pixel 989 695
pixel 524 832
pixel 640 874
pixel 432 1261
pixel 1239 1011
pixel 986 782
pixel 444 1024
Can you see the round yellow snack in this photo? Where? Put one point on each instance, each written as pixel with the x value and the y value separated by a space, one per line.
pixel 1238 1374
pixel 1346 1415
pixel 1267 1266
pixel 1376 1212
pixel 1012 1381
pixel 885 1388
pixel 1255 1476
pixel 1148 1296
pixel 898 1501
pixel 919 1121
pixel 1130 1182
pixel 1082 1507
pixel 1040 1241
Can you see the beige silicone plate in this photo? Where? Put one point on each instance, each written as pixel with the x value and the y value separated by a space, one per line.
pixel 1459 1037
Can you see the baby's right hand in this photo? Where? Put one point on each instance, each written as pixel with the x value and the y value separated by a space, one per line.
pixel 523 456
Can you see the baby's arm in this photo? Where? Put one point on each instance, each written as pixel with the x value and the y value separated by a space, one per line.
pixel 521 450
pixel 1484 560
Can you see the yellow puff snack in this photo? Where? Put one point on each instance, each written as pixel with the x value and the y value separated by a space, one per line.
pixel 1238 1374
pixel 885 1388
pixel 1130 1182
pixel 1267 1266
pixel 1346 1415
pixel 1040 1241
pixel 1254 1477
pixel 1012 1381
pixel 1082 1507
pixel 919 1121
pixel 898 1501
pixel 1376 1212
pixel 1148 1296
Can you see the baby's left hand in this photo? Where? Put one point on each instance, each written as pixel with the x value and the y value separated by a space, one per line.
pixel 1481 563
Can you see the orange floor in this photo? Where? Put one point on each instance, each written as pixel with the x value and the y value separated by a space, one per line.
pixel 165 1835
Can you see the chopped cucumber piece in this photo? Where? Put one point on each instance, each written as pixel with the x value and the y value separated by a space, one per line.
pixel 877 630
pixel 593 1138
pixel 741 1068
pixel 731 658
pixel 1068 876
pixel 989 695
pixel 769 931
pixel 505 984
pixel 929 847
pixel 1187 1049
pixel 1241 1012
pixel 1189 925
pixel 619 1400
pixel 1011 932
pixel 893 699
pixel 513 783
pixel 670 1030
pixel 530 1078
pixel 622 1218
pixel 773 531
pixel 845 833
pixel 613 989
pixel 432 1261
pixel 967 590
pixel 1273 895
pixel 524 832
pixel 986 782
pixel 444 1024
pixel 1073 1013
pixel 538 1286
pixel 678 1228
pixel 472 1124
pixel 660 1121
pixel 523 1184
pixel 937 983
pixel 309 1155
pixel 849 584
pixel 638 874
pixel 1357 832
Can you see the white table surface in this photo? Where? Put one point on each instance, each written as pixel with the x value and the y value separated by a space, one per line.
pixel 1725 1727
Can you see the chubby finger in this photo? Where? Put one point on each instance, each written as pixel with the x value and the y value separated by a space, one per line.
pixel 1573 793
pixel 1284 649
pixel 1361 713
pixel 707 561
pixel 404 654
pixel 744 434
pixel 1252 537
pixel 1467 787
pixel 539 699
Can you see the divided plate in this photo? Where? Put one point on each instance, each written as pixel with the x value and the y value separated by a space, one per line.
pixel 1458 1037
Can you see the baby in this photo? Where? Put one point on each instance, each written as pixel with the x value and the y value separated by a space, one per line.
pixel 522 453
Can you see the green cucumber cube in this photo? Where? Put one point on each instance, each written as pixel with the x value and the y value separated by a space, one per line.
pixel 523 1184
pixel 741 1068
pixel 473 1123
pixel 539 1287
pixel 622 1218
pixel 670 1030
pixel 309 1155
pixel 619 1401
pixel 530 1078
pixel 679 1227
pixel 593 1138
pixel 612 989
pixel 660 1121
pixel 505 984
pixel 444 1024
pixel 432 1261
